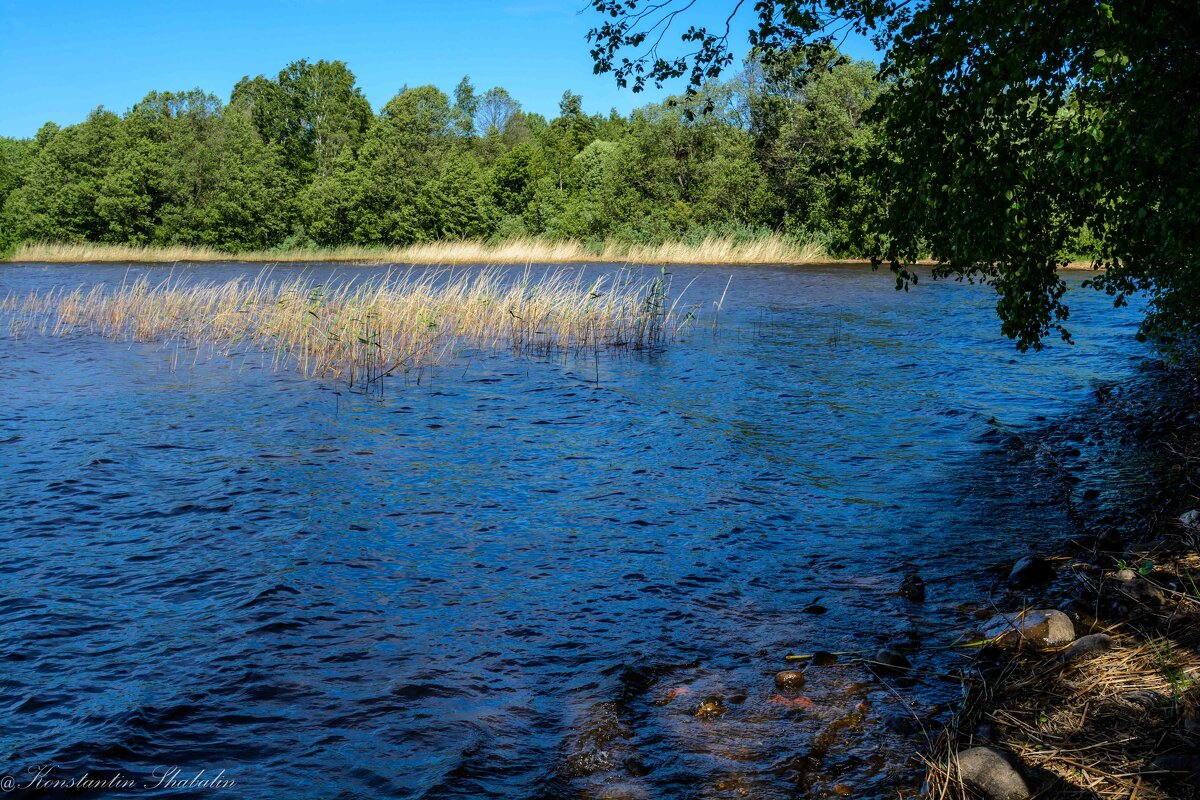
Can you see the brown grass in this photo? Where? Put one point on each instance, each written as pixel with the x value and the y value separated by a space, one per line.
pixel 1094 729
pixel 363 331
pixel 713 250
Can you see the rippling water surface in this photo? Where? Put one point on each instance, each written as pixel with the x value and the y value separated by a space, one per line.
pixel 520 576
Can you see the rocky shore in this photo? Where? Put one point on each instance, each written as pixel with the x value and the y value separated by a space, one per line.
pixel 1087 679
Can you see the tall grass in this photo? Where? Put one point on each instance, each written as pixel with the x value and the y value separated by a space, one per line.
pixel 365 331
pixel 712 250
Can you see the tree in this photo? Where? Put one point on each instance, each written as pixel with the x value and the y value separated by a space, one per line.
pixel 312 111
pixel 58 201
pixel 496 110
pixel 809 127
pixel 1010 128
pixel 466 106
pixel 16 158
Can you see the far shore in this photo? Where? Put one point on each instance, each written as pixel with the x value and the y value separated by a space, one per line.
pixel 710 251
pixel 775 250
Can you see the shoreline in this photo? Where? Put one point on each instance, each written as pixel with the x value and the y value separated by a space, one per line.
pixel 710 252
pixel 521 251
pixel 1088 683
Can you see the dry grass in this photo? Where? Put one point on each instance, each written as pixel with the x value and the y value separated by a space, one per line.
pixel 1098 728
pixel 363 331
pixel 774 250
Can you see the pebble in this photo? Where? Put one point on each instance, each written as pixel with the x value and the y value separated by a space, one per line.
pixel 711 708
pixel 790 679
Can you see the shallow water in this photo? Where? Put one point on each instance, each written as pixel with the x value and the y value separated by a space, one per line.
pixel 519 576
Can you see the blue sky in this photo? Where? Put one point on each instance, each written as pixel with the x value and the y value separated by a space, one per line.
pixel 59 60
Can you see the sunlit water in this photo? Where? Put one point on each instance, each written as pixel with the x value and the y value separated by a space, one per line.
pixel 518 577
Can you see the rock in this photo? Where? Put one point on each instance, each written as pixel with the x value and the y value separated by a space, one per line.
pixel 1038 627
pixel 994 773
pixel 790 679
pixel 913 588
pixel 1086 647
pixel 824 658
pixel 1138 588
pixel 1190 519
pixel 889 662
pixel 1030 571
pixel 711 708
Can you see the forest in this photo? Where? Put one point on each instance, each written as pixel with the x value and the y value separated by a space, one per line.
pixel 301 159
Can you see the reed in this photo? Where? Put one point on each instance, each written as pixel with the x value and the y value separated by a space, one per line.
pixel 365 331
pixel 712 250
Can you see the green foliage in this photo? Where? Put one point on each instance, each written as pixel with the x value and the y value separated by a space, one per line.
pixel 300 160
pixel 1010 136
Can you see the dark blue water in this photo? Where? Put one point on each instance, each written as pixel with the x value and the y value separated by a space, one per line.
pixel 520 576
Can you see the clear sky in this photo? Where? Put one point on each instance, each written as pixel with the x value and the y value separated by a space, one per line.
pixel 59 60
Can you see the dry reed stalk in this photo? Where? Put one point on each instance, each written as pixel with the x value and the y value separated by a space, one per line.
pixel 713 250
pixel 367 330
pixel 1096 727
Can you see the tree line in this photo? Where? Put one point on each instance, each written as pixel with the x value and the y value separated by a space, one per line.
pixel 301 159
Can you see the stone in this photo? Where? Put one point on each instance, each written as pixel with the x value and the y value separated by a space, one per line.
pixel 994 773
pixel 1135 587
pixel 913 588
pixel 889 662
pixel 1030 571
pixel 711 708
pixel 1038 627
pixel 1086 647
pixel 790 679
pixel 1190 519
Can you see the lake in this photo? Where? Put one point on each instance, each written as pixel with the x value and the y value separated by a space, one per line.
pixel 519 576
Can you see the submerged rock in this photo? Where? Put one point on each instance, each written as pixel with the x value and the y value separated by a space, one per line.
pixel 1030 571
pixel 824 658
pixel 994 773
pixel 790 679
pixel 913 588
pixel 1086 647
pixel 1045 627
pixel 889 662
pixel 711 708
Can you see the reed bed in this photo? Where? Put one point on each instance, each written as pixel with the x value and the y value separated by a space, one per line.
pixel 365 331
pixel 712 250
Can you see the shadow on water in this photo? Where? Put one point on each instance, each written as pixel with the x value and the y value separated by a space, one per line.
pixel 544 577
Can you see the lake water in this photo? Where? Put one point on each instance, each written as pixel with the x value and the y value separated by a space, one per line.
pixel 518 577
